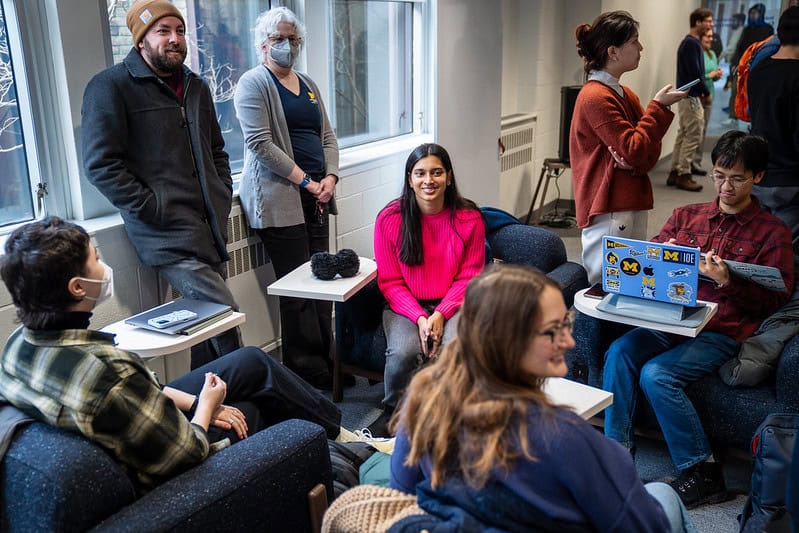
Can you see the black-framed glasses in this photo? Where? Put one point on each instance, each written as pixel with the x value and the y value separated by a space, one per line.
pixel 737 181
pixel 559 330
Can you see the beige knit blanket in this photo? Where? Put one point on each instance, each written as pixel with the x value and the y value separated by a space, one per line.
pixel 368 508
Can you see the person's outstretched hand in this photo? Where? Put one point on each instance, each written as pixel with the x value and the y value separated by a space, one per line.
pixel 668 96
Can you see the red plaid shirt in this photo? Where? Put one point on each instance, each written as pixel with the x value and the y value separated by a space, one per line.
pixel 751 236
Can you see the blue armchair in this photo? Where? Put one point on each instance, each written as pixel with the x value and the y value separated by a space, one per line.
pixel 360 339
pixel 730 415
pixel 54 480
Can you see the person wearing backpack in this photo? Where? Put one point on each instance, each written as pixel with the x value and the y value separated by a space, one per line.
pixel 773 92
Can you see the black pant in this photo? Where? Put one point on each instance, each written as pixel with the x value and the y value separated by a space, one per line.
pixel 306 325
pixel 265 391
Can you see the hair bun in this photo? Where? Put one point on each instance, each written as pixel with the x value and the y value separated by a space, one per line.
pixel 581 33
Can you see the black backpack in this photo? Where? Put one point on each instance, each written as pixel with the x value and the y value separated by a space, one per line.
pixel 772 449
pixel 346 459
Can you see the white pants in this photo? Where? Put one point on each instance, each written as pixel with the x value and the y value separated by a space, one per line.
pixel 628 224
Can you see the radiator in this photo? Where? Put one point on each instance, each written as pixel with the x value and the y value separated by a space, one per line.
pixel 246 250
pixel 517 160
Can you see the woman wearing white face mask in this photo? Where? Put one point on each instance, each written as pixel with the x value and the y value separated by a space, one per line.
pixel 289 176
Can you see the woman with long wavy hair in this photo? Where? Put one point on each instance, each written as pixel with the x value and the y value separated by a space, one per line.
pixel 428 244
pixel 481 444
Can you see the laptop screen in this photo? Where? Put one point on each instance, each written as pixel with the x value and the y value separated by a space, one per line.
pixel 649 270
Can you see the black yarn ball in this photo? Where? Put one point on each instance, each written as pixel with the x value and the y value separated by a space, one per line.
pixel 348 263
pixel 323 265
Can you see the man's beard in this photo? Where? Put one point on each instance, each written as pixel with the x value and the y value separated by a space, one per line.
pixel 165 62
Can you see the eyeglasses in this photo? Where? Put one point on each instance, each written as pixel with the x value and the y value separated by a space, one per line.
pixel 276 38
pixel 736 181
pixel 559 330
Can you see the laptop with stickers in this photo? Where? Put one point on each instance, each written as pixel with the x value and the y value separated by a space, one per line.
pixel 650 280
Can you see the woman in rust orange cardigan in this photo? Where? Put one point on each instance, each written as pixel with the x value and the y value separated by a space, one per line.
pixel 613 141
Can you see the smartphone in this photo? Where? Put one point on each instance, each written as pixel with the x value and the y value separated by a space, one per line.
pixel 430 343
pixel 595 291
pixel 170 319
pixel 689 85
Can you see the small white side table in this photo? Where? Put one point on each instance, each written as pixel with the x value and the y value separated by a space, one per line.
pixel 301 283
pixel 587 306
pixel 150 344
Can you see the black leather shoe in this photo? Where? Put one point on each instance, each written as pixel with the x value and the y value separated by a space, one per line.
pixel 379 428
pixel 701 484
pixel 696 170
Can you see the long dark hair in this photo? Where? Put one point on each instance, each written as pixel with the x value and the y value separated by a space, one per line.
pixel 613 28
pixel 411 226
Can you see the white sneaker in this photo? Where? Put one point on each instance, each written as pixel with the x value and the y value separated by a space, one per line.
pixel 730 122
pixel 384 445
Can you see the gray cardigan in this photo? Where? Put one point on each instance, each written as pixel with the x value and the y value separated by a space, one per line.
pixel 268 198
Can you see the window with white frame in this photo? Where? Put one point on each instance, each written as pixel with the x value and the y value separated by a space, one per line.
pixel 372 82
pixel 16 200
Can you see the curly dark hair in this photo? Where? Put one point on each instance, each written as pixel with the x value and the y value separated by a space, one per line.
pixel 40 259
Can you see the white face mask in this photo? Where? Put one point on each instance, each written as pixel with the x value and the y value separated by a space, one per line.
pixel 284 53
pixel 107 290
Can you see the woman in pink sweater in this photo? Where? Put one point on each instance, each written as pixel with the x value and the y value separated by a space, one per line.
pixel 428 244
pixel 613 141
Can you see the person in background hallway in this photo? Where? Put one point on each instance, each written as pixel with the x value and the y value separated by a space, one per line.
pixel 756 30
pixel 56 370
pixel 428 244
pixel 482 445
pixel 660 365
pixel 773 90
pixel 289 177
pixel 731 83
pixel 712 74
pixel 614 142
pixel 152 145
pixel 691 66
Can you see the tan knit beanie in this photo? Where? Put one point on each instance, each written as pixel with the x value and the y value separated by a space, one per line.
pixel 143 14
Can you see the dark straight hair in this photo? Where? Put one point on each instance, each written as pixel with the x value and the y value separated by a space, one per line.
pixel 735 146
pixel 411 227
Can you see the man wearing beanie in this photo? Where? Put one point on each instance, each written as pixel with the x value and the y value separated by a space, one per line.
pixel 152 145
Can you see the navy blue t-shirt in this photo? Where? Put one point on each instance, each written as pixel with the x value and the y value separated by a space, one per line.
pixel 304 121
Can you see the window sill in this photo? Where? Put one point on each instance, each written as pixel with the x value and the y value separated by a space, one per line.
pixel 360 155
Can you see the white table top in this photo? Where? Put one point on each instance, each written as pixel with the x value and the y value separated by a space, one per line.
pixel 301 283
pixel 587 306
pixel 584 400
pixel 147 343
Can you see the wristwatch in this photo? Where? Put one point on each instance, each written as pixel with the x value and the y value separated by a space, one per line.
pixel 305 181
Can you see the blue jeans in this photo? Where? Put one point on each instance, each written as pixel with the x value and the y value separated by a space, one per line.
pixel 197 280
pixel 664 365
pixel 402 348
pixel 672 506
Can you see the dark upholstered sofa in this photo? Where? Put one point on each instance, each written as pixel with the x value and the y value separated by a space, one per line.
pixel 729 415
pixel 360 339
pixel 54 480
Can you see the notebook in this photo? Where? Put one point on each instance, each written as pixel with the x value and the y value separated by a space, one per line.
pixel 207 313
pixel 650 280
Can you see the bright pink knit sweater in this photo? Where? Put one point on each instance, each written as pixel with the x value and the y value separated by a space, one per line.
pixel 453 255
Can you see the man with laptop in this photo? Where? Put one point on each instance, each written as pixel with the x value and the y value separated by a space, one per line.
pixel 731 227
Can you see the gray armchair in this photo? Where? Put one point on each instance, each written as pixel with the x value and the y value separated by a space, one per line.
pixel 54 480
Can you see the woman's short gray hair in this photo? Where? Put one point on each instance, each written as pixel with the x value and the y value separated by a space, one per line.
pixel 267 23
